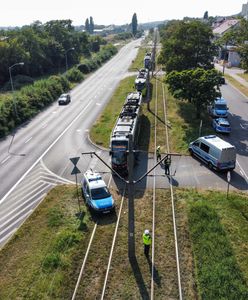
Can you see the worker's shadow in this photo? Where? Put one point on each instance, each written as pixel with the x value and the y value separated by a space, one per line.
pixel 156 276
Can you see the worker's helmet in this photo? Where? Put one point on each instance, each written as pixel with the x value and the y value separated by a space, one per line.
pixel 146 231
pixel 158 147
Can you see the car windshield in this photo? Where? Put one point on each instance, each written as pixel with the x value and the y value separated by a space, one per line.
pixel 100 193
pixel 220 106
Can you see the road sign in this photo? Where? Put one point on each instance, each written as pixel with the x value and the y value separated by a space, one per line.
pixel 228 175
pixel 75 171
pixel 74 160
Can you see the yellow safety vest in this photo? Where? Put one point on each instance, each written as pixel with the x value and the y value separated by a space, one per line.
pixel 147 240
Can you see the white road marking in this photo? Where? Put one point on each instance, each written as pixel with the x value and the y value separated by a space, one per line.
pixel 87 130
pixel 54 112
pixel 44 153
pixel 28 140
pixel 242 170
pixel 43 126
pixel 97 103
pixel 3 161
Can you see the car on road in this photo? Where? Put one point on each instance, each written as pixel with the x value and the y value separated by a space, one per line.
pixel 96 193
pixel 222 80
pixel 215 152
pixel 221 125
pixel 64 99
pixel 218 109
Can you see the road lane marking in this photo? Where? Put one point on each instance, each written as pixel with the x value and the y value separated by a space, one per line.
pixel 45 152
pixel 246 177
pixel 28 140
pixel 3 161
pixel 43 126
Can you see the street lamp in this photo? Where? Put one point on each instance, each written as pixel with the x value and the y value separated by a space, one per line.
pixel 66 64
pixel 11 81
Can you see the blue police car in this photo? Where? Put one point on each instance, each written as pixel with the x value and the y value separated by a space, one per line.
pixel 96 193
pixel 221 125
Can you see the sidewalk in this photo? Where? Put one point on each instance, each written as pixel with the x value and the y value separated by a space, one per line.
pixel 233 72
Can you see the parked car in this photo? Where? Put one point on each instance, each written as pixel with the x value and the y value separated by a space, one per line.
pixel 218 109
pixel 222 80
pixel 215 152
pixel 64 99
pixel 96 193
pixel 221 125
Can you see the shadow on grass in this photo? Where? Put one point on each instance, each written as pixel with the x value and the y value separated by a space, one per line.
pixel 139 278
pixel 188 112
pixel 82 226
pixel 154 272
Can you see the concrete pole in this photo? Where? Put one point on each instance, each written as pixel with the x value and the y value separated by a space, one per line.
pixel 131 228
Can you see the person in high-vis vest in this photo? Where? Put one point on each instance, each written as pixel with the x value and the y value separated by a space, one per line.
pixel 147 240
pixel 158 153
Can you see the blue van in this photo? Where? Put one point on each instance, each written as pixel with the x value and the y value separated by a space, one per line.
pixel 215 152
pixel 219 108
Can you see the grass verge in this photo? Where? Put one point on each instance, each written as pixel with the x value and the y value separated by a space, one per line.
pixel 219 235
pixel 237 84
pixel 101 130
pixel 37 261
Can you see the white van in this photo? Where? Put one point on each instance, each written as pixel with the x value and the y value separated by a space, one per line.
pixel 214 151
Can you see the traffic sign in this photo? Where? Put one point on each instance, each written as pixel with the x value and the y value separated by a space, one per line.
pixel 74 160
pixel 75 171
pixel 228 175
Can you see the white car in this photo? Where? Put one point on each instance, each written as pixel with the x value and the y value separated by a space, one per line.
pixel 64 99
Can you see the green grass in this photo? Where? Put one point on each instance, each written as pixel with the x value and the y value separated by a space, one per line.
pixel 39 259
pixel 101 130
pixel 237 84
pixel 219 235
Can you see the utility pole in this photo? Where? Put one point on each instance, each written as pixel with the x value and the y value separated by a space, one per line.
pixel 131 239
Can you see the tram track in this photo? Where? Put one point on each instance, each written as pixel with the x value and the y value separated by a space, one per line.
pixel 92 264
pixel 172 267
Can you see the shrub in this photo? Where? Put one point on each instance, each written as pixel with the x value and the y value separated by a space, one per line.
pixel 74 75
pixel 52 261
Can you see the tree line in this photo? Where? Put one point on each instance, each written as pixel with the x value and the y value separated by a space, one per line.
pixel 187 56
pixel 43 48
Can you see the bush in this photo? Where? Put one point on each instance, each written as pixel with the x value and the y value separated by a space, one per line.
pixel 74 75
pixel 18 82
pixel 52 261
pixel 29 101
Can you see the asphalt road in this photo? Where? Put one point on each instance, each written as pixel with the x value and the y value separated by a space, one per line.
pixel 38 156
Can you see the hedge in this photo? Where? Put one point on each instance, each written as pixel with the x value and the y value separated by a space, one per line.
pixel 29 101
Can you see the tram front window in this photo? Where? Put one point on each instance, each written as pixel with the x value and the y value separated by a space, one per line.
pixel 119 155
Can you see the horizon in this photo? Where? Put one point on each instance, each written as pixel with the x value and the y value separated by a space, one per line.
pixel 18 14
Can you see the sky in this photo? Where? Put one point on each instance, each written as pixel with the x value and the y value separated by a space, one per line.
pixel 106 12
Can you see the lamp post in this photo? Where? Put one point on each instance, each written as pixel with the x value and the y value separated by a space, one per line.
pixel 66 63
pixel 11 81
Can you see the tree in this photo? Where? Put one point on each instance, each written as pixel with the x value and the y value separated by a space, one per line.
pixel 91 25
pixel 134 24
pixel 87 25
pixel 198 86
pixel 186 45
pixel 205 16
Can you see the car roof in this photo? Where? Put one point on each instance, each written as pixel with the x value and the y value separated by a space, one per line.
pixel 222 121
pixel 64 95
pixel 94 179
pixel 220 101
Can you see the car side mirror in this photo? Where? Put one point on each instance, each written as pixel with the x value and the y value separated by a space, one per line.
pixel 110 152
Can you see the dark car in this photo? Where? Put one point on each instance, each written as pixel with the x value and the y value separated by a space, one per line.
pixel 64 99
pixel 222 80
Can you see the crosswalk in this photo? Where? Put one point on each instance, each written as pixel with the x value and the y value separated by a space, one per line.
pixel 19 204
